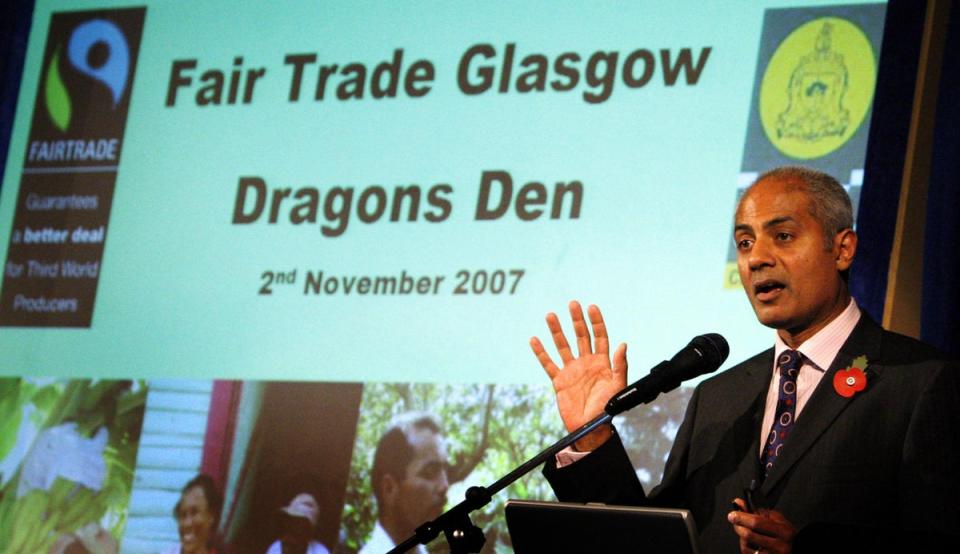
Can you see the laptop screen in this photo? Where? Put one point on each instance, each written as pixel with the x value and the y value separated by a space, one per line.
pixel 537 527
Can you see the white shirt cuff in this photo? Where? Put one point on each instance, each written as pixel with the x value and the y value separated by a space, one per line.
pixel 569 456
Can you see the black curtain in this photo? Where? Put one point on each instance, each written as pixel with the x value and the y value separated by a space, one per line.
pixel 940 316
pixel 14 29
pixel 886 151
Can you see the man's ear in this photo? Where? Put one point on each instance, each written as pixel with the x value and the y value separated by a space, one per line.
pixel 390 488
pixel 845 248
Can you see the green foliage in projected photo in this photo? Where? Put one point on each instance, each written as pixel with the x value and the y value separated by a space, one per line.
pixel 67 453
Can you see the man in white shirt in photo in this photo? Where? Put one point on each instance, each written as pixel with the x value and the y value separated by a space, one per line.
pixel 409 478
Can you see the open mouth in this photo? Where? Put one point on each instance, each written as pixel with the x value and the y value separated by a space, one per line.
pixel 767 290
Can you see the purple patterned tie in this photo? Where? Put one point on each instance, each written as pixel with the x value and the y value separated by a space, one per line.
pixel 789 363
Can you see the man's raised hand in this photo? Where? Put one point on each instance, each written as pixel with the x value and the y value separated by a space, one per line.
pixel 585 382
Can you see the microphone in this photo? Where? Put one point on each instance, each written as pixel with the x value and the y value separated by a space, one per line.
pixel 703 355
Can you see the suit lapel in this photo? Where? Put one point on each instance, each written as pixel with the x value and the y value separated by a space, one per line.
pixel 825 405
pixel 756 382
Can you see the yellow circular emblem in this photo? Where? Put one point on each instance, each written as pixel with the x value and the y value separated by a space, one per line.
pixel 817 88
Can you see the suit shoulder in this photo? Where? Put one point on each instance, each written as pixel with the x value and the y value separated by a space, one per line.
pixel 900 349
pixel 762 362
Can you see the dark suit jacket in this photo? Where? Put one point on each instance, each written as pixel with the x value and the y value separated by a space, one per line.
pixel 861 473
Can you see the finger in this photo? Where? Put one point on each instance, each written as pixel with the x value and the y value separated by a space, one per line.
pixel 741 503
pixel 760 529
pixel 580 329
pixel 762 524
pixel 544 358
pixel 777 517
pixel 742 519
pixel 779 525
pixel 747 547
pixel 741 506
pixel 599 330
pixel 620 364
pixel 752 539
pixel 559 339
pixel 755 541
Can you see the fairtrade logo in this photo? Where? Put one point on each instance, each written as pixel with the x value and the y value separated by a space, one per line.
pixel 817 88
pixel 87 41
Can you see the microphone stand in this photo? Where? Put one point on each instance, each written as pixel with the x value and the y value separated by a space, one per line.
pixel 462 535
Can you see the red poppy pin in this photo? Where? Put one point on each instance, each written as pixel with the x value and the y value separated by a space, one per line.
pixel 852 380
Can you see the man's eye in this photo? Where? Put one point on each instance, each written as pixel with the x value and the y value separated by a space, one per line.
pixel 784 236
pixel 432 470
pixel 744 244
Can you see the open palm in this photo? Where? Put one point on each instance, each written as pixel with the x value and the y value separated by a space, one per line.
pixel 585 382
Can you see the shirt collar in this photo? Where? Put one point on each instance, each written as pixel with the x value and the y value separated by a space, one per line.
pixel 821 349
pixel 380 540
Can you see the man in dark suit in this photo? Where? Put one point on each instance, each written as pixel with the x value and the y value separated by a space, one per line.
pixel 861 450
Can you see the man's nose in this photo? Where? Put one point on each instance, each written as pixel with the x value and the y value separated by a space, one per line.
pixel 760 255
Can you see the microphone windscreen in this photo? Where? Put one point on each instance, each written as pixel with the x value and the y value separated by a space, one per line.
pixel 715 345
pixel 704 354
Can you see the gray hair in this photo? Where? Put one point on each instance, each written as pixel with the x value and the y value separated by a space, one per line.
pixel 829 203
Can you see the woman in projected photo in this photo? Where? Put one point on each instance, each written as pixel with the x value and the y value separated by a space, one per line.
pixel 198 515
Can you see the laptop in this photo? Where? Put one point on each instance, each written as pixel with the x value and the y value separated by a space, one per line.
pixel 536 527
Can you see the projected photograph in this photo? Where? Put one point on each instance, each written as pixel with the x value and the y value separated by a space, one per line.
pixel 420 446
pixel 67 453
pixel 242 465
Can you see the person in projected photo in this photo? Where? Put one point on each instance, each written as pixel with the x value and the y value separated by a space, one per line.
pixel 298 522
pixel 848 432
pixel 198 516
pixel 409 479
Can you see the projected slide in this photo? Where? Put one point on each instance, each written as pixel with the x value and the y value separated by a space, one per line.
pixel 240 240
